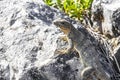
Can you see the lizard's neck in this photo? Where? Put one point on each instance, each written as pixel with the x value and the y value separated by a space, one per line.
pixel 76 34
pixel 65 31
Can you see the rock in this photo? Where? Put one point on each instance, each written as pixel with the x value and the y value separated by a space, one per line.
pixel 28 40
pixel 109 25
pixel 62 67
pixel 106 16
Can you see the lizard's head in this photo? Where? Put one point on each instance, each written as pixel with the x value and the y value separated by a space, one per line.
pixel 63 24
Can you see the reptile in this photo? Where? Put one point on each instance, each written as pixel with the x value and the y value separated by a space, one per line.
pixel 88 53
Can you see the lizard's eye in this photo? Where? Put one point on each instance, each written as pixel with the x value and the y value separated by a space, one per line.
pixel 62 23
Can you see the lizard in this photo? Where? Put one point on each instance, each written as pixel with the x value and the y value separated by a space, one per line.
pixel 88 53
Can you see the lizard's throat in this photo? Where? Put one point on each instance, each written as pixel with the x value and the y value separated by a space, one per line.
pixel 65 31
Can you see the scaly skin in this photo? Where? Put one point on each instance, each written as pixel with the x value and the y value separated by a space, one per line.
pixel 87 51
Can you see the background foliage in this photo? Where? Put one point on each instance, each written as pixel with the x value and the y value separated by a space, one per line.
pixel 74 8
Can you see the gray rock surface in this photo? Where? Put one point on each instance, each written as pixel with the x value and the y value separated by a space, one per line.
pixel 28 41
pixel 106 16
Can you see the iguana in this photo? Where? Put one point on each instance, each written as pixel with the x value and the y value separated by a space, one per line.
pixel 89 55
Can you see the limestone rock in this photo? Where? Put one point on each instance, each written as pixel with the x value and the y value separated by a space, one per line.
pixel 28 40
pixel 106 16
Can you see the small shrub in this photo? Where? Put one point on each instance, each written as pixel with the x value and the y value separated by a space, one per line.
pixel 74 8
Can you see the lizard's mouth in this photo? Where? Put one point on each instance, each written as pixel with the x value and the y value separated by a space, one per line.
pixel 56 23
pixel 63 29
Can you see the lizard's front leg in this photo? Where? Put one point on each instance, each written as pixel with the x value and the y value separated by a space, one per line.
pixel 70 45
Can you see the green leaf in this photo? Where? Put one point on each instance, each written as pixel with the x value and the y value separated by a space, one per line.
pixel 74 8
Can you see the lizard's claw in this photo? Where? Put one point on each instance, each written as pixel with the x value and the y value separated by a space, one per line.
pixel 62 51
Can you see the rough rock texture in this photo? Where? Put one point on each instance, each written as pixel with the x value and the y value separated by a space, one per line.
pixel 106 19
pixel 28 41
pixel 106 16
